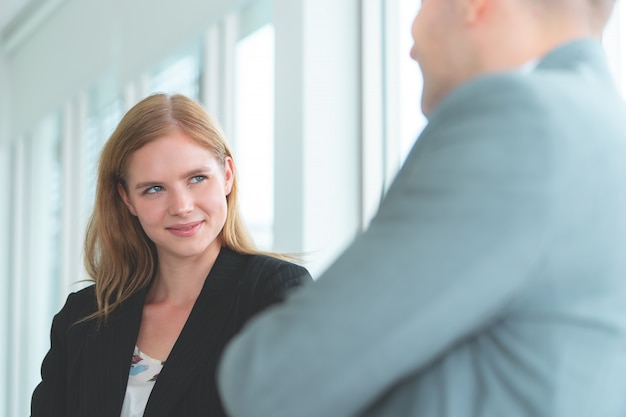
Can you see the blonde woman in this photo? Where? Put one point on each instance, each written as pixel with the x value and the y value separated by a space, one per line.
pixel 175 274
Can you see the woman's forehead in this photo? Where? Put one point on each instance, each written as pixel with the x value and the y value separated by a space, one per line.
pixel 171 154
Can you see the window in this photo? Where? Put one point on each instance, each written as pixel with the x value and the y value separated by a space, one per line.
pixel 392 85
pixel 614 39
pixel 100 124
pixel 411 119
pixel 179 74
pixel 254 132
pixel 36 231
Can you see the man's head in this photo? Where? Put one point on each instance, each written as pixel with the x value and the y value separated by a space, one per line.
pixel 456 40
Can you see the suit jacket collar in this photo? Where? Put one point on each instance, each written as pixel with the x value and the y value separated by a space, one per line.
pixel 108 351
pixel 107 354
pixel 199 342
pixel 587 51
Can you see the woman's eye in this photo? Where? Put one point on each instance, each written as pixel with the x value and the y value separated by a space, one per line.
pixel 153 190
pixel 197 179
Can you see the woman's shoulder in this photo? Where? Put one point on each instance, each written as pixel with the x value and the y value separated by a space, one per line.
pixel 80 303
pixel 275 263
pixel 83 296
pixel 269 279
pixel 262 264
pixel 277 275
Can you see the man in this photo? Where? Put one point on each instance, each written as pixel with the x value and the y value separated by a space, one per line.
pixel 492 282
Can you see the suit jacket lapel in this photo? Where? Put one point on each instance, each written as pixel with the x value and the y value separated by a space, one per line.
pixel 199 341
pixel 107 358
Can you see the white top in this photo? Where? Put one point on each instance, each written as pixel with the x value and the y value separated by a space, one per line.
pixel 144 371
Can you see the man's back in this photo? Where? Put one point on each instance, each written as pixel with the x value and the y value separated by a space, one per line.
pixel 557 345
pixel 507 297
pixel 492 280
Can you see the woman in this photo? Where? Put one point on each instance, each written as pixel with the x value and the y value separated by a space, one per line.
pixel 175 274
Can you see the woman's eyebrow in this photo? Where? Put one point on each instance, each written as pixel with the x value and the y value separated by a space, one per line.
pixel 191 173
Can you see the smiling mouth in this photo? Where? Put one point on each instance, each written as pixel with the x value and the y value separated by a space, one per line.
pixel 184 227
pixel 185 230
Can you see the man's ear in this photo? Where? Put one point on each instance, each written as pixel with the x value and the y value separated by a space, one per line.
pixel 474 10
pixel 229 174
pixel 122 191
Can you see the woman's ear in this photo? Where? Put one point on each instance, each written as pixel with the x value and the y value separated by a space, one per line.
pixel 229 174
pixel 122 191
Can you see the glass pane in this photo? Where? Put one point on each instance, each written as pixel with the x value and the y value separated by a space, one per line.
pixel 412 121
pixel 100 124
pixel 614 39
pixel 39 297
pixel 254 132
pixel 179 77
pixel 56 200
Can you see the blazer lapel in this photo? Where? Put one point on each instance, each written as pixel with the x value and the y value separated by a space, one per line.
pixel 107 358
pixel 199 341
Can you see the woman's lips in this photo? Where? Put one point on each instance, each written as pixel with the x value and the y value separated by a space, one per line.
pixel 185 230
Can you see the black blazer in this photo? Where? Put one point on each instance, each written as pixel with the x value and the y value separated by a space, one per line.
pixel 86 370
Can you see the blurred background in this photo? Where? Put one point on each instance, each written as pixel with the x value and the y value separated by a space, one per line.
pixel 318 98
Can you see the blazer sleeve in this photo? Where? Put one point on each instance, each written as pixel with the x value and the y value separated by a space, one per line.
pixel 450 247
pixel 49 397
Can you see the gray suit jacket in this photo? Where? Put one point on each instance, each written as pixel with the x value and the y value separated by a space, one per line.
pixel 492 281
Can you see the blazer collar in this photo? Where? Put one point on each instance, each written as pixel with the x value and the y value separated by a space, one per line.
pixel 107 356
pixel 108 351
pixel 199 342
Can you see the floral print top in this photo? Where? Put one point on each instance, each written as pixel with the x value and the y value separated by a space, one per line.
pixel 144 372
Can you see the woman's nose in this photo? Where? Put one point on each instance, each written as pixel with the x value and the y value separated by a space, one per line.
pixel 181 202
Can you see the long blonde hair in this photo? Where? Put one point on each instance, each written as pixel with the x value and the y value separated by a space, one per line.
pixel 119 257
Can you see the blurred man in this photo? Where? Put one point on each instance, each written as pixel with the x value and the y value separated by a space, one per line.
pixel 492 281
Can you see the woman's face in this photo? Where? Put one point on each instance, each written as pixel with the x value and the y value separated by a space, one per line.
pixel 177 189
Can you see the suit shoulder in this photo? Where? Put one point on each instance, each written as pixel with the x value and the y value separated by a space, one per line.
pixel 84 297
pixel 266 280
pixel 498 91
pixel 270 279
pixel 80 303
pixel 514 106
pixel 270 265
